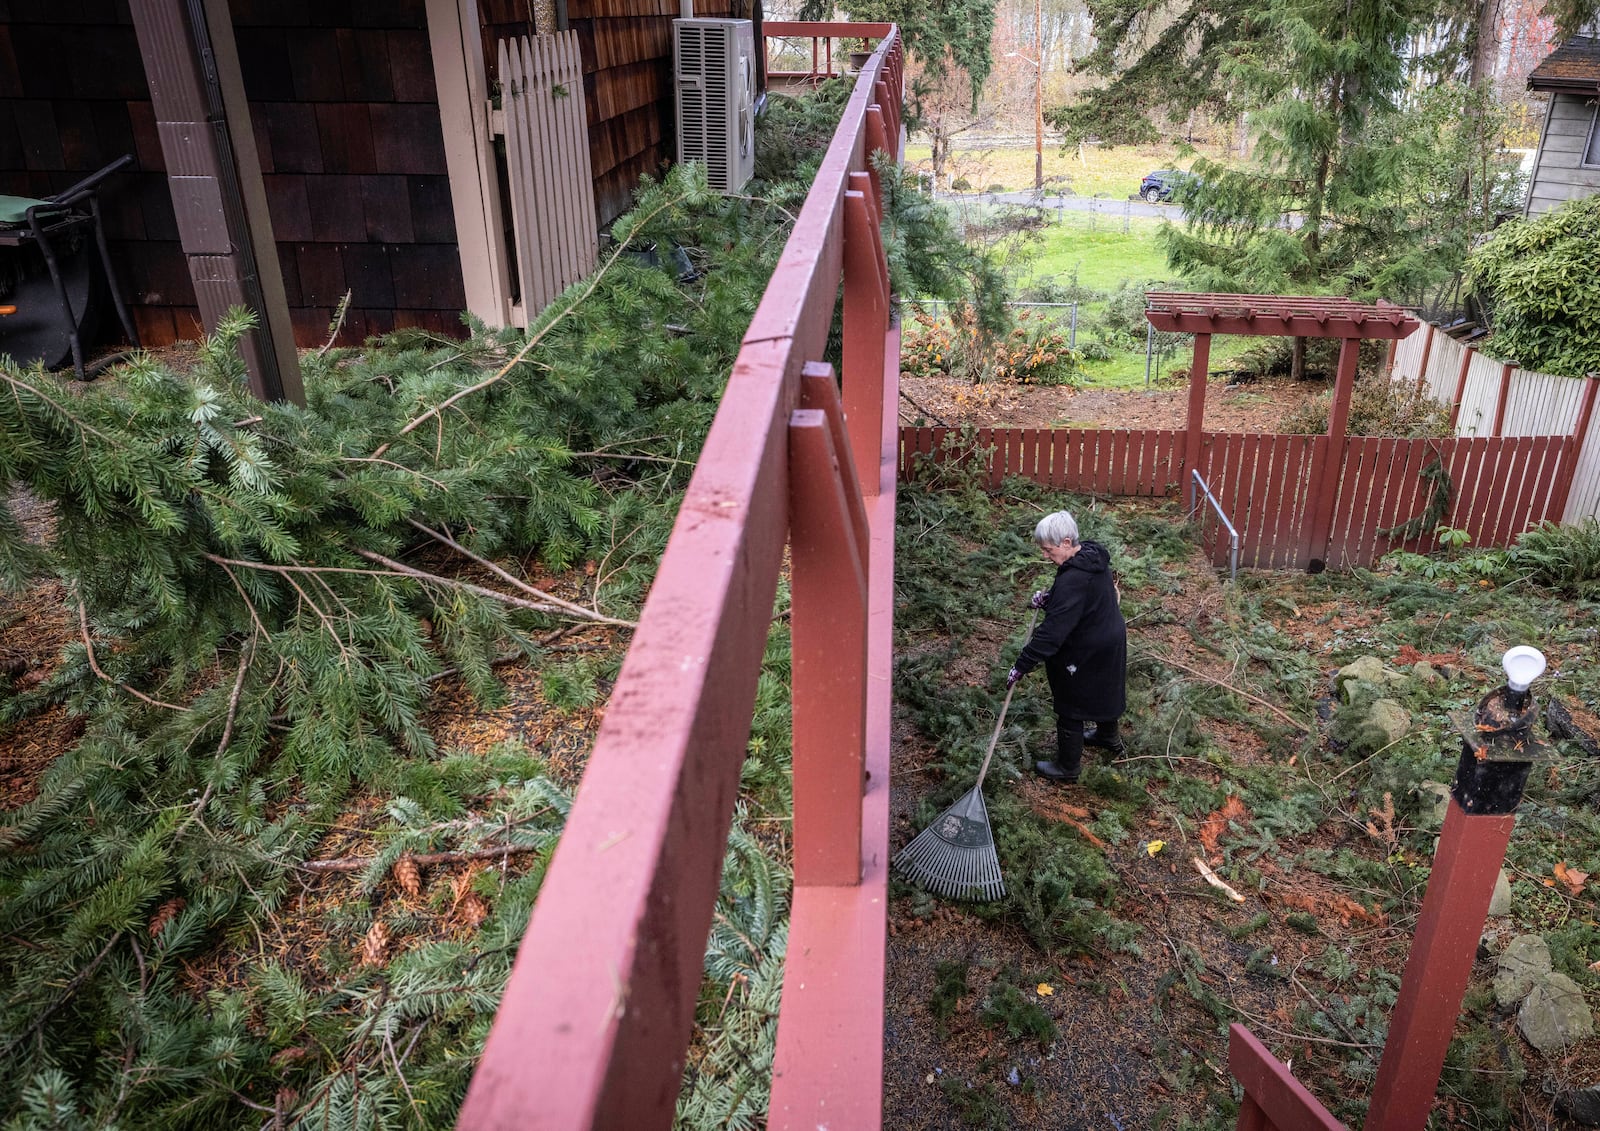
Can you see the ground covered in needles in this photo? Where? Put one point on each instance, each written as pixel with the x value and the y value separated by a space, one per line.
pixel 1097 993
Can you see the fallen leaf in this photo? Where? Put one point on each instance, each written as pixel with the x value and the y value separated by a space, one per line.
pixel 1045 989
pixel 1217 823
pixel 1155 846
pixel 1573 878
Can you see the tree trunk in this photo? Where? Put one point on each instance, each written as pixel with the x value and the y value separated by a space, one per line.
pixel 1297 361
pixel 939 154
pixel 1485 43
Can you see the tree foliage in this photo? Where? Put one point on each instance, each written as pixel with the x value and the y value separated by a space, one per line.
pixel 1540 279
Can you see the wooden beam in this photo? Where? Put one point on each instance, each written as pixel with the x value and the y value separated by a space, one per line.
pixel 462 81
pixel 214 174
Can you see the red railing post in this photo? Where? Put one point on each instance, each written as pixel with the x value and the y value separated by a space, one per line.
pixel 877 139
pixel 829 623
pixel 1273 1098
pixel 1461 385
pixel 866 312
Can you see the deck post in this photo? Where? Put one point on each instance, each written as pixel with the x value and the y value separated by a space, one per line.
pixel 829 635
pixel 866 312
pixel 214 175
pixel 1328 464
pixel 1505 395
pixel 1461 385
pixel 1198 371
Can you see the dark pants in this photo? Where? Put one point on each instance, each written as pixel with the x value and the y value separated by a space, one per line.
pixel 1069 742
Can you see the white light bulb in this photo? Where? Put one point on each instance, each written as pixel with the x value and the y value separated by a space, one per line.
pixel 1523 665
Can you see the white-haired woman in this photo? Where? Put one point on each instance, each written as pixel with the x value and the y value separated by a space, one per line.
pixel 1082 643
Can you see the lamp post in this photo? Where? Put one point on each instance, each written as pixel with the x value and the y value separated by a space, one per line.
pixel 1497 751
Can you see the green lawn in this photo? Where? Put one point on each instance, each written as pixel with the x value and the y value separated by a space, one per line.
pixel 1103 250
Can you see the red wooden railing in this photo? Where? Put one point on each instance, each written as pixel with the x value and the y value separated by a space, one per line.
pixel 595 1021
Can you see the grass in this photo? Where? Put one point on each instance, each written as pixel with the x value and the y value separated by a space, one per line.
pixel 1110 171
pixel 1100 253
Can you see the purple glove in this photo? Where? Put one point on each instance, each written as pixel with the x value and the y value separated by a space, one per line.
pixel 1040 599
pixel 1012 676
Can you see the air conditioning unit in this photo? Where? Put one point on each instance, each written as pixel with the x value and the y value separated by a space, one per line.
pixel 715 64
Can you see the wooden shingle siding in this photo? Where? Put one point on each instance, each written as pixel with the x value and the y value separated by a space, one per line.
pixel 346 122
pixel 1559 173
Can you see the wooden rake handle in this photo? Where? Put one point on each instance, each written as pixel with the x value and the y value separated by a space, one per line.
pixel 994 738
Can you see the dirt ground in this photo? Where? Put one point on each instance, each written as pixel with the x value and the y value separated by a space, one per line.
pixel 1254 406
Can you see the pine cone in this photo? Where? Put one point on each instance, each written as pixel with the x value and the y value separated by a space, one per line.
pixel 165 914
pixel 375 947
pixel 408 876
pixel 472 910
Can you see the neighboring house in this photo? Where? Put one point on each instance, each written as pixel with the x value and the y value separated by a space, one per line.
pixel 1568 163
pixel 371 123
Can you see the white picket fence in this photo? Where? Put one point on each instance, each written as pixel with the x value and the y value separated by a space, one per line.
pixel 547 157
pixel 1536 404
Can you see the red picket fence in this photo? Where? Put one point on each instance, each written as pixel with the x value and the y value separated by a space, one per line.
pixel 1268 485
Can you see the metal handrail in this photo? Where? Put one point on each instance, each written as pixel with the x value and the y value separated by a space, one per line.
pixel 1196 481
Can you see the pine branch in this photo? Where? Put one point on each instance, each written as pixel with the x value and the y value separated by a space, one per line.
pixel 78 979
pixel 527 347
pixel 421 859
pixel 94 666
pixel 510 579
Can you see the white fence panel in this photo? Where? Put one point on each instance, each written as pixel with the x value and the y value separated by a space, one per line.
pixel 1408 354
pixel 1541 405
pixel 1584 502
pixel 547 156
pixel 1482 395
pixel 1444 366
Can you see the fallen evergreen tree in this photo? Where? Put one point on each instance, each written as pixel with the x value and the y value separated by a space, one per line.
pixel 264 597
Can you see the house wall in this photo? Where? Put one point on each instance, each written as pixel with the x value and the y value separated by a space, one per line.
pixel 1559 173
pixel 627 83
pixel 347 124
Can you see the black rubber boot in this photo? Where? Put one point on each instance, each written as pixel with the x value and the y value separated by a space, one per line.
pixel 1069 753
pixel 1104 736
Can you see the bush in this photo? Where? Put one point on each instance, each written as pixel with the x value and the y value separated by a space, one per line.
pixel 1032 353
pixel 1540 281
pixel 1378 407
pixel 1562 557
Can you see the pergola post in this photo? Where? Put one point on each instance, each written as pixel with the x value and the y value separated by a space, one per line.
pixel 1197 404
pixel 1324 476
pixel 214 173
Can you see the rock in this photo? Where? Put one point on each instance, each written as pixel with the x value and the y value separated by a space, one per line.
pixel 1524 962
pixel 1581 1105
pixel 1367 673
pixel 1426 672
pixel 1500 901
pixel 1435 798
pixel 1554 1014
pixel 1391 718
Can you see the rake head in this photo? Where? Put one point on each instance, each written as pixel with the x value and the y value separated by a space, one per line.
pixel 954 857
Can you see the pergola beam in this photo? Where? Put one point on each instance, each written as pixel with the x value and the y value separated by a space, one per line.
pixel 1297 316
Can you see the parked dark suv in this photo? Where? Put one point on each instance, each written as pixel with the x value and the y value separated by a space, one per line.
pixel 1158 186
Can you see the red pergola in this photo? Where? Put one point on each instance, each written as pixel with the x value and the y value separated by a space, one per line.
pixel 1296 316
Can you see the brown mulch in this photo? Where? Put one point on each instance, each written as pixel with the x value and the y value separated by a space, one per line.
pixel 1254 406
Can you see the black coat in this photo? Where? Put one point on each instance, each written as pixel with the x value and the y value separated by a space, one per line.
pixel 1082 641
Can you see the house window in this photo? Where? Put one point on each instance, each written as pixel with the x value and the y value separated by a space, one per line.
pixel 1591 154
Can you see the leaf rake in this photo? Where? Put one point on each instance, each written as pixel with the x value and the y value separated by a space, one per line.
pixel 954 857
